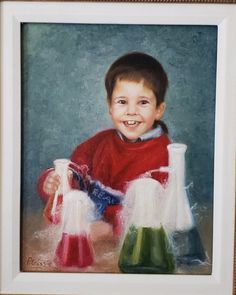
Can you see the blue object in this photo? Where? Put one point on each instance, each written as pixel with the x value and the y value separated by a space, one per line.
pixel 80 180
pixel 102 197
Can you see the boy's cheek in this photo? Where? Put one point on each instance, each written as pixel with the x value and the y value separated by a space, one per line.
pixel 116 114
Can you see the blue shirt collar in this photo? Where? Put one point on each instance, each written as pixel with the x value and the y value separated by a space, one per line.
pixel 154 133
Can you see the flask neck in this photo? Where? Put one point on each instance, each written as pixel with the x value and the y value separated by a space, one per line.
pixel 61 168
pixel 177 162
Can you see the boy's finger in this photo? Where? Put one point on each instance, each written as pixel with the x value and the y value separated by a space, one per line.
pixel 69 174
pixel 51 189
pixel 54 178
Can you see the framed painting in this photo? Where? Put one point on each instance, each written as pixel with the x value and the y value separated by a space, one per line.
pixel 86 195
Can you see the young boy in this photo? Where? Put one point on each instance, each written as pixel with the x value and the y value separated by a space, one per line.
pixel 136 84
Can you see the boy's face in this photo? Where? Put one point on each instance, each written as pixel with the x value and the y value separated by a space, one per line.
pixel 133 108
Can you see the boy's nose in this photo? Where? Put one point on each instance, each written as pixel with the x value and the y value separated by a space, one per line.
pixel 131 109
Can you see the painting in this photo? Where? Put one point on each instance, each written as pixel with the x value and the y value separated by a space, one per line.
pixel 160 228
pixel 166 229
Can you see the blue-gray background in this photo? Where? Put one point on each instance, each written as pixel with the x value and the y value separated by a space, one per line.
pixel 63 95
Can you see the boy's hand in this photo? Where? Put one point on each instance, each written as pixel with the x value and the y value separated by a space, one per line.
pixel 51 183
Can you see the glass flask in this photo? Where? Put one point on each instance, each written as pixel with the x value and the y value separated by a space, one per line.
pixel 74 248
pixel 177 216
pixel 146 247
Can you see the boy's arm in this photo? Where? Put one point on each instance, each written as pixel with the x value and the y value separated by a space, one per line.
pixel 80 156
pixel 77 180
pixel 40 185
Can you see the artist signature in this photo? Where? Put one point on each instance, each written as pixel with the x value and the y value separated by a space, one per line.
pixel 37 262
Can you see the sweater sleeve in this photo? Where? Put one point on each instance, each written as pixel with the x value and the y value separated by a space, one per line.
pixel 82 156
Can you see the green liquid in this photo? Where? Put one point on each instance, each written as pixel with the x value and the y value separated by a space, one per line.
pixel 146 250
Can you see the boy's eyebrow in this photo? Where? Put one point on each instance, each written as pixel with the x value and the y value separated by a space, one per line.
pixel 125 97
pixel 120 96
pixel 143 96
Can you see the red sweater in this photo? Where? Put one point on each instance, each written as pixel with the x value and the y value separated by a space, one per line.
pixel 115 162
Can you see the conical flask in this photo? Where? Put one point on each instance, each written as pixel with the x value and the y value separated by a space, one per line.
pixel 177 216
pixel 145 248
pixel 75 247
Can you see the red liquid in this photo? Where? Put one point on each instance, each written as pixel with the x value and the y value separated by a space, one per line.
pixel 74 250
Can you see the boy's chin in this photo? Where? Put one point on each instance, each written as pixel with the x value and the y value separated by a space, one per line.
pixel 129 138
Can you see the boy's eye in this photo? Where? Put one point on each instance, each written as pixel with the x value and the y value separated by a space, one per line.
pixel 121 101
pixel 144 101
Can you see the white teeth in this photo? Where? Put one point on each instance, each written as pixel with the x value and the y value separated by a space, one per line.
pixel 131 123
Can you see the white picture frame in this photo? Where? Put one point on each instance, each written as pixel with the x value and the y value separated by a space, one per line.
pixel 13 281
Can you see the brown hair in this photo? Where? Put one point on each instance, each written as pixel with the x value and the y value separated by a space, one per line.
pixel 137 66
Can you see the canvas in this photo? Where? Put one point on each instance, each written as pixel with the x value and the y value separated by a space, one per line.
pixel 64 103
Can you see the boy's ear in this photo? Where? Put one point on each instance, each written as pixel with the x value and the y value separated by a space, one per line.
pixel 109 105
pixel 160 110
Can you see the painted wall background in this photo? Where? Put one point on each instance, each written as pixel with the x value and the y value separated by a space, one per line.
pixel 63 95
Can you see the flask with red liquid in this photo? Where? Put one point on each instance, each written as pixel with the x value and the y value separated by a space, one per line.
pixel 74 248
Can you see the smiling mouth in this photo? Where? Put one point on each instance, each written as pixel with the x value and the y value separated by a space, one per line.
pixel 131 123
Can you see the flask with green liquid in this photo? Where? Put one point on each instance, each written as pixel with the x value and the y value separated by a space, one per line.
pixel 146 247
